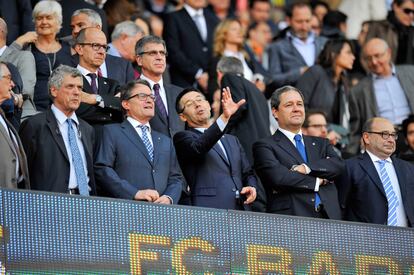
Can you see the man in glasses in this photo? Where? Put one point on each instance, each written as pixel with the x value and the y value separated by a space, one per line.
pixel 134 161
pixel 99 104
pixel 387 92
pixel 378 188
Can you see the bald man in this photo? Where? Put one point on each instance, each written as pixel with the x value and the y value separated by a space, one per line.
pixel 388 91
pixel 378 187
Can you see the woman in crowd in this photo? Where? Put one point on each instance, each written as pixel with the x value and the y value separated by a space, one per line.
pixel 325 85
pixel 48 52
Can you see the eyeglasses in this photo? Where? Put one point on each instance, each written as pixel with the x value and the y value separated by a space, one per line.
pixel 96 46
pixel 8 77
pixel 408 11
pixel 386 135
pixel 318 126
pixel 375 56
pixel 142 97
pixel 193 103
pixel 154 53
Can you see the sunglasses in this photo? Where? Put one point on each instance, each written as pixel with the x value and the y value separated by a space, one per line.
pixel 408 11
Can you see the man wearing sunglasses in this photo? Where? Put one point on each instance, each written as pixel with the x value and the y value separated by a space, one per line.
pixel 134 161
pixel 378 187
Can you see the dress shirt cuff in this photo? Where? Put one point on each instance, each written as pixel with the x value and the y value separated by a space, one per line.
pixel 171 200
pixel 101 104
pixel 222 125
pixel 318 180
pixel 199 73
pixel 307 169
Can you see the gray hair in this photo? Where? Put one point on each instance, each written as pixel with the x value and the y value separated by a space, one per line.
pixel 48 7
pixel 275 99
pixel 139 47
pixel 92 15
pixel 128 28
pixel 58 74
pixel 230 64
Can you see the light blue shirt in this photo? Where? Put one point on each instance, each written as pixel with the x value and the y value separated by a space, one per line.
pixel 307 49
pixel 390 97
pixel 401 216
pixel 63 129
pixel 113 51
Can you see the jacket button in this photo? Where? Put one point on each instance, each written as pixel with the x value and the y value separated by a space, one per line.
pixel 312 199
pixel 234 189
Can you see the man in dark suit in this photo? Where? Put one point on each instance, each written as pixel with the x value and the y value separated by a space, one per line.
pixel 387 92
pixel 292 55
pixel 59 145
pixel 100 105
pixel 13 165
pixel 214 165
pixel 134 161
pixel 188 34
pixel 113 67
pixel 150 55
pixel 297 171
pixel 378 188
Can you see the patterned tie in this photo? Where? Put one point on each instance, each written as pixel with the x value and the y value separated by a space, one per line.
pixel 158 101
pixel 146 141
pixel 93 83
pixel 77 161
pixel 302 152
pixel 390 194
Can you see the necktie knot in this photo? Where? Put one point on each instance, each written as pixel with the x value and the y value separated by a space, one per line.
pixel 298 138
pixel 156 89
pixel 144 128
pixel 382 162
pixel 94 86
pixel 92 76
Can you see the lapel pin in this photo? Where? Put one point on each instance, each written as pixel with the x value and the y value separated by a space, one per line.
pixel 313 143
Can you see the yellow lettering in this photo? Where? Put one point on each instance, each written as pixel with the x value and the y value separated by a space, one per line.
pixel 364 263
pixel 323 263
pixel 138 255
pixel 257 266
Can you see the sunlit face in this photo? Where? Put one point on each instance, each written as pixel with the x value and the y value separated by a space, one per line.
pixel 320 11
pixel 6 83
pixel 152 60
pixel 260 11
pixel 377 57
pixel 405 12
pixel 234 34
pixel 345 59
pixel 262 34
pixel 128 43
pixel 46 24
pixel 196 110
pixel 68 97
pixel 79 22
pixel 317 126
pixel 89 57
pixel 137 108
pixel 196 4
pixel 300 22
pixel 291 111
pixel 375 143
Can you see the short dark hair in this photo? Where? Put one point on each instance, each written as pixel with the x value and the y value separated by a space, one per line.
pixel 275 98
pixel 334 19
pixel 298 4
pixel 252 2
pixel 310 113
pixel 126 90
pixel 178 107
pixel 406 122
pixel 331 50
pixel 139 47
pixel 316 3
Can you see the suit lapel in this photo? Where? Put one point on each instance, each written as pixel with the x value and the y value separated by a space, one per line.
pixel 312 151
pixel 5 133
pixel 156 142
pixel 191 24
pixel 370 98
pixel 286 145
pixel 368 166
pixel 133 136
pixel 86 86
pixel 56 134
pixel 296 52
pixel 227 147
pixel 103 86
pixel 401 178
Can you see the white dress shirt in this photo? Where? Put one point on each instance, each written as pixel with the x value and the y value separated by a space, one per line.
pixel 163 93
pixel 135 123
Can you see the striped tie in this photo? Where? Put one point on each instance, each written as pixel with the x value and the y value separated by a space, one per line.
pixel 146 141
pixel 389 192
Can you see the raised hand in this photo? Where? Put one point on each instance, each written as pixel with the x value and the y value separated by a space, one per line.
pixel 228 105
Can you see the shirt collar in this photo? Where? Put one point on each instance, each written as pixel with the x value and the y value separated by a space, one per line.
pixel 309 40
pixel 85 71
pixel 61 117
pixel 290 135
pixel 3 49
pixel 135 123
pixel 193 12
pixel 161 82
pixel 374 158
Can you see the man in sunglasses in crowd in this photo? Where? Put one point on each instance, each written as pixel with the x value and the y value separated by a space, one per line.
pixel 134 161
pixel 377 187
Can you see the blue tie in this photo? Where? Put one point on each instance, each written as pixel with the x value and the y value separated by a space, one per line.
pixel 77 161
pixel 390 194
pixel 302 152
pixel 146 141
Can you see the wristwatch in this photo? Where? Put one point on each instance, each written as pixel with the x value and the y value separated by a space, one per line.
pixel 98 99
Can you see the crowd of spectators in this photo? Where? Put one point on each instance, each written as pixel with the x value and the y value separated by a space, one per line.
pixel 302 108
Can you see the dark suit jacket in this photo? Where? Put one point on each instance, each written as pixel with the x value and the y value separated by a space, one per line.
pixel 119 69
pixel 18 17
pixel 107 88
pixel 290 192
pixel 174 123
pixel 187 50
pixel 212 178
pixel 123 166
pixel 285 61
pixel 47 158
pixel 363 103
pixel 362 193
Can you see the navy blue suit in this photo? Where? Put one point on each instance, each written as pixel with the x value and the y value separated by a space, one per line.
pixel 290 192
pixel 213 178
pixel 123 166
pixel 362 193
